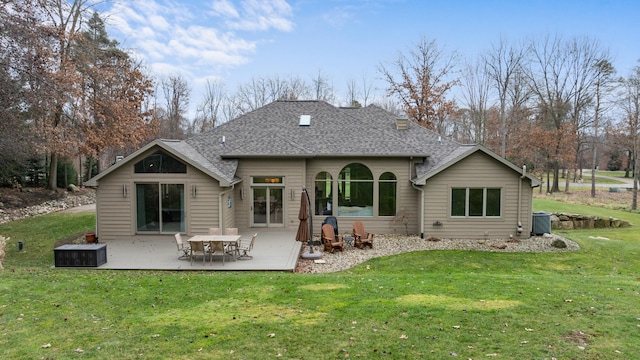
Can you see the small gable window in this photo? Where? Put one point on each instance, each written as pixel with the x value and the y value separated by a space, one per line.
pixel 160 162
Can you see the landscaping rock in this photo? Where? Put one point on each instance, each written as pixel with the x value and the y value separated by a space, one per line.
pixel 69 200
pixel 558 244
pixel 564 221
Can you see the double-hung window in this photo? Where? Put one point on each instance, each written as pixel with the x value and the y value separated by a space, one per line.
pixel 476 202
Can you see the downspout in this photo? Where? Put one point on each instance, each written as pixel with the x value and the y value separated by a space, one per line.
pixel 221 204
pixel 421 209
pixel 524 174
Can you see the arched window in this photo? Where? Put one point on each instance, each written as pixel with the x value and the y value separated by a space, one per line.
pixel 355 191
pixel 387 192
pixel 324 187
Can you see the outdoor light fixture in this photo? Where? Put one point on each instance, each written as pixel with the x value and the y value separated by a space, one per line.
pixel 194 191
pixel 293 194
pixel 124 190
pixel 242 193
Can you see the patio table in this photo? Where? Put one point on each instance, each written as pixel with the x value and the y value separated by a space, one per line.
pixel 224 239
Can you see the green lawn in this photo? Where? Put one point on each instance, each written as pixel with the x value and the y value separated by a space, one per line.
pixel 426 304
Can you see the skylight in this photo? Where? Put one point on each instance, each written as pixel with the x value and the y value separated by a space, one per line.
pixel 305 120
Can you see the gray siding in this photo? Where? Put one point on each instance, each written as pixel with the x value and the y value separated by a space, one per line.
pixel 293 172
pixel 116 217
pixel 407 197
pixel 478 170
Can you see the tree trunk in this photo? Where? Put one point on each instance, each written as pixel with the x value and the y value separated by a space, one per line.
pixel 636 164
pixel 53 172
pixel 556 175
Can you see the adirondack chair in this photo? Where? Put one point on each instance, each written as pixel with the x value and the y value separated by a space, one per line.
pixel 330 240
pixel 362 238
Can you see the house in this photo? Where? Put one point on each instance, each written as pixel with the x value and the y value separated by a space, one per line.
pixel 357 164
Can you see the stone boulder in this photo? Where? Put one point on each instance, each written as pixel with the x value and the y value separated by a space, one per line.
pixel 559 244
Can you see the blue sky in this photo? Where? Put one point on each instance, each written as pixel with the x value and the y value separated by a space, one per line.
pixel 234 40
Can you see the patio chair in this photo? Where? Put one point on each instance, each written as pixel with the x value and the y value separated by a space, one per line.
pixel 215 247
pixel 231 248
pixel 215 231
pixel 330 240
pixel 246 246
pixel 197 247
pixel 181 247
pixel 331 220
pixel 362 238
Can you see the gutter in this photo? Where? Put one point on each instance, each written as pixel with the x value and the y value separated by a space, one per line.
pixel 421 208
pixel 524 174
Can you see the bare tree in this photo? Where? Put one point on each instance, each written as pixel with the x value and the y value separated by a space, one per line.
pixel 584 54
pixel 421 81
pixel 322 89
pixel 550 79
pixel 366 92
pixel 630 104
pixel 502 64
pixel 209 112
pixel 353 93
pixel 176 93
pixel 298 89
pixel 476 99
pixel 603 85
pixel 260 91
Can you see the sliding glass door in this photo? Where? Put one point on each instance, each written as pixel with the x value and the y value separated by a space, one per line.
pixel 160 208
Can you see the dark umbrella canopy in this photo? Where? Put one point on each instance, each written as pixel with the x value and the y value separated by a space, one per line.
pixel 303 228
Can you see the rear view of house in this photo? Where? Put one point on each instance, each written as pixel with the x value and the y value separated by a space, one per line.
pixel 358 164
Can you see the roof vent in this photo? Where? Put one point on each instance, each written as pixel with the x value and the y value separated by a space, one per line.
pixel 402 123
pixel 305 120
pixel 119 158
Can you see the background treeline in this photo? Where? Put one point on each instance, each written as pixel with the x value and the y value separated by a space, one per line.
pixel 73 98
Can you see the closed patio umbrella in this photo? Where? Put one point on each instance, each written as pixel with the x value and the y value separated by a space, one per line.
pixel 305 229
pixel 303 233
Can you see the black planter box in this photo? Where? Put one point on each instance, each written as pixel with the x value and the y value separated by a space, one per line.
pixel 89 255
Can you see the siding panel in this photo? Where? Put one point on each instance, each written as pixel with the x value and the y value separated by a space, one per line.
pixel 486 173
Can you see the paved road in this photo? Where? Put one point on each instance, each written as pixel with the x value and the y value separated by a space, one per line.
pixel 626 182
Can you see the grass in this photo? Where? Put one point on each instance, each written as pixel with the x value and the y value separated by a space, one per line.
pixel 435 304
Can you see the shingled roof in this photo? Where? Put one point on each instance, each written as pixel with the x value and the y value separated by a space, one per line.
pixel 275 131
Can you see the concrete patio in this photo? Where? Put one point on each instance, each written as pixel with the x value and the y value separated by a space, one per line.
pixel 274 250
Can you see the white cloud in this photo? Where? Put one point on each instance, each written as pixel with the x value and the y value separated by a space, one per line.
pixel 255 15
pixel 193 39
pixel 170 32
pixel 224 8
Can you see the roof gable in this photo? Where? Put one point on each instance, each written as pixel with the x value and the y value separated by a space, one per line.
pixel 178 149
pixel 431 168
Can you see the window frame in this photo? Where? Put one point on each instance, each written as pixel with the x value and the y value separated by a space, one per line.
pixel 355 181
pixel 471 208
pixel 385 185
